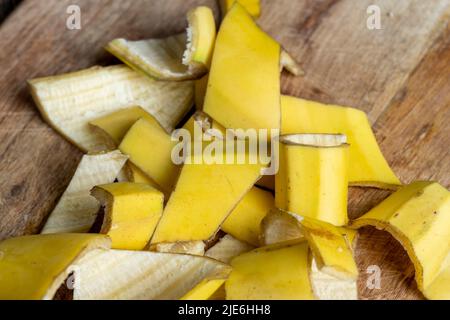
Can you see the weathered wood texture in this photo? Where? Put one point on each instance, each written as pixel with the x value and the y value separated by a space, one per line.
pixel 399 75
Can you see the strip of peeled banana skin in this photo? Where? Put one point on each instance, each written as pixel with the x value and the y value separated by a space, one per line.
pixel 70 101
pixel 76 211
pixel 141 275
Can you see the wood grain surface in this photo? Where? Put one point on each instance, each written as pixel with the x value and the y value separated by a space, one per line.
pixel 399 75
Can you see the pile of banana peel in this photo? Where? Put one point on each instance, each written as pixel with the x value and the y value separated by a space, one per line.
pixel 133 224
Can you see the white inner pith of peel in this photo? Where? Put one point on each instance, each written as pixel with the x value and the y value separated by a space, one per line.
pixel 315 140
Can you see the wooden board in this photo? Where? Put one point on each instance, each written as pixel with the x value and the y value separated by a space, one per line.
pixel 399 75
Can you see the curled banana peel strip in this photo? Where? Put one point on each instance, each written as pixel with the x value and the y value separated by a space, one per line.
pixel 76 211
pixel 205 290
pixel 279 226
pixel 142 275
pixel 290 64
pixel 150 147
pixel 204 196
pixel 244 223
pixel 224 250
pixel 136 175
pixel 252 6
pixel 227 248
pixel 146 138
pixel 232 98
pixel 69 102
pixel 286 63
pixel 183 56
pixel 333 271
pixel 418 216
pixel 276 272
pixel 330 248
pixel 115 126
pixel 368 167
pixel 132 212
pixel 34 267
pixel 313 176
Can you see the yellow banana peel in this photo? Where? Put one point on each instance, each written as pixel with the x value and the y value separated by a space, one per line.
pixel 252 6
pixel 150 147
pixel 245 220
pixel 76 211
pixel 277 272
pixel 439 289
pixel 328 280
pixel 330 248
pixel 210 288
pixel 204 290
pixel 227 248
pixel 115 126
pixel 141 275
pixel 69 102
pixel 180 57
pixel 204 196
pixel 201 35
pixel 368 167
pixel 244 80
pixel 34 267
pixel 279 226
pixel 136 175
pixel 418 216
pixel 132 211
pixel 312 179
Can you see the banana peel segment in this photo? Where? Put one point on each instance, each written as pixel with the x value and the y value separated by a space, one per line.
pixel 184 56
pixel 204 196
pixel 439 288
pixel 244 222
pixel 279 226
pixel 368 167
pixel 34 267
pixel 132 212
pixel 141 275
pixel 244 80
pixel 328 287
pixel 277 272
pixel 252 6
pixel 76 211
pixel 201 35
pixel 312 179
pixel 327 281
pixel 114 126
pixel 227 248
pixel 205 290
pixel 330 248
pixel 69 102
pixel 136 175
pixel 286 63
pixel 418 216
pixel 150 147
